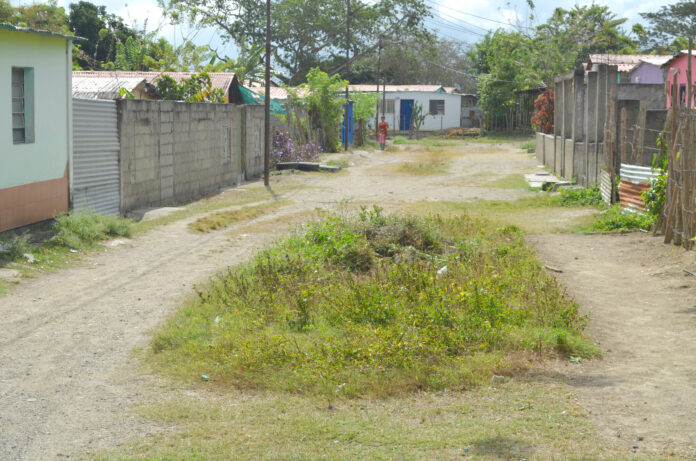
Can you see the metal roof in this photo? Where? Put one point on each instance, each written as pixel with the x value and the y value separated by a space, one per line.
pixel 45 33
pixel 104 87
pixel 657 60
pixel 624 62
pixel 393 88
pixel 219 80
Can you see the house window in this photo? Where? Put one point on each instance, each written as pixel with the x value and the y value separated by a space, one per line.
pixel 437 107
pixel 22 105
pixel 387 108
pixel 682 95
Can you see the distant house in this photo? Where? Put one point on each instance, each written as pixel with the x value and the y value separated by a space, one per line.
pixel 110 80
pixel 624 62
pixel 443 109
pixel 471 114
pixel 113 87
pixel 35 115
pixel 649 70
pixel 679 65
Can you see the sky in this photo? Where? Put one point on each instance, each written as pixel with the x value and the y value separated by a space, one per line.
pixel 454 19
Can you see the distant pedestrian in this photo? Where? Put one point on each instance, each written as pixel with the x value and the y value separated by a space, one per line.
pixel 382 130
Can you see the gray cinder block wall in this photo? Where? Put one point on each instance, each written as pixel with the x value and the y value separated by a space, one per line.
pixel 576 150
pixel 175 152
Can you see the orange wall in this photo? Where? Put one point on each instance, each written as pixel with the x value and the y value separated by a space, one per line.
pixel 31 203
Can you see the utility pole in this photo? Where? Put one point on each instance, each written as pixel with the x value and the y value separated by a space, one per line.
pixel 267 101
pixel 379 67
pixel 345 116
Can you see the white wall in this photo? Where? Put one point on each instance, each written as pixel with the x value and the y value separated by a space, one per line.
pixel 451 118
pixel 47 157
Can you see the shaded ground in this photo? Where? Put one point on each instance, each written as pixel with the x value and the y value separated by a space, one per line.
pixel 66 382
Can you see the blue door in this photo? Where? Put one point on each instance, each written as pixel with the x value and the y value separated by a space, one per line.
pixel 406 113
pixel 350 125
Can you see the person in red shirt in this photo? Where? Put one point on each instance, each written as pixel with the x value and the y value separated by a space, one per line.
pixel 382 129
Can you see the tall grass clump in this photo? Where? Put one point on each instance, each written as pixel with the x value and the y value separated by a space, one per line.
pixel 373 305
pixel 591 196
pixel 80 229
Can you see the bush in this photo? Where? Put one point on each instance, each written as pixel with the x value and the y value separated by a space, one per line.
pixel 285 149
pixel 542 120
pixel 580 197
pixel 79 229
pixel 374 304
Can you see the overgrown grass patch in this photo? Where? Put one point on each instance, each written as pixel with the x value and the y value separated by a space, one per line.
pixel 223 219
pixel 373 305
pixel 429 141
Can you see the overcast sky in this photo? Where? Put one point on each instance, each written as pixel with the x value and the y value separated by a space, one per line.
pixel 454 19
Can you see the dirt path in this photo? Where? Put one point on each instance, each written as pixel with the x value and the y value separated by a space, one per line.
pixel 65 382
pixel 642 309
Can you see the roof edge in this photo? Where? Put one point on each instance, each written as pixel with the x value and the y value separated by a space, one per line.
pixel 45 33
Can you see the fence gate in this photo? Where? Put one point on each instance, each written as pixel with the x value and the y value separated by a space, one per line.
pixel 96 180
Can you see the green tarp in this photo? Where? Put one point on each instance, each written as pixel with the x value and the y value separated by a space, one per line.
pixel 251 97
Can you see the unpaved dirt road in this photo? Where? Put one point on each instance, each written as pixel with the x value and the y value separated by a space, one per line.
pixel 642 309
pixel 67 386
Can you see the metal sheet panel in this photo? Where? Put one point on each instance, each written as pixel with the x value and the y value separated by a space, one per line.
pixel 96 180
pixel 637 174
pixel 605 186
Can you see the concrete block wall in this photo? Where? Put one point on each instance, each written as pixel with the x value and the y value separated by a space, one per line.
pixel 174 152
pixel 549 151
pixel 540 148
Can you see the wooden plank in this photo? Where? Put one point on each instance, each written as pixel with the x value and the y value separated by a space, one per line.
pixel 639 134
pixel 624 137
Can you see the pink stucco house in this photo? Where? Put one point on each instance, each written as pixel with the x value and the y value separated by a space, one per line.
pixel 679 64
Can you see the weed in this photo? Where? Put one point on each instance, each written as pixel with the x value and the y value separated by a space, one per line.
pixel 81 229
pixel 513 181
pixel 372 305
pixel 342 163
pixel 14 247
pixel 617 220
pixel 528 144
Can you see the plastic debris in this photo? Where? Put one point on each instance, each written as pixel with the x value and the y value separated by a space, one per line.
pixel 29 257
pixel 205 377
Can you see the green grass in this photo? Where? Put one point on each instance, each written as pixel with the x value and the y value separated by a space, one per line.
pixel 342 163
pixel 528 144
pixel 355 306
pixel 513 181
pixel 232 197
pixel 516 420
pixel 84 230
pixel 430 141
pixel 223 219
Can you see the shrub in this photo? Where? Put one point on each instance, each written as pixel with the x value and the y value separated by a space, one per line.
pixel 542 120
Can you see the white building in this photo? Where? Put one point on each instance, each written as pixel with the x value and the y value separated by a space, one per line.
pixel 443 108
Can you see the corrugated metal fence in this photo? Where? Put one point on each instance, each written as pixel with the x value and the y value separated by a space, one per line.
pixel 96 181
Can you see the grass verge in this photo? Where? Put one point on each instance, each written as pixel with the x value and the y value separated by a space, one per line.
pixel 223 219
pixel 373 305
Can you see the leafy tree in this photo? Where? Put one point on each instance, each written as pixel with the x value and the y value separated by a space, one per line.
pixel 102 31
pixel 197 88
pixel 43 16
pixel 364 108
pixel 321 98
pixel 669 28
pixel 306 33
pixel 248 65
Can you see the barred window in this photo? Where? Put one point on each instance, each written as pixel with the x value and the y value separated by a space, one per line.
pixel 22 105
pixel 437 107
pixel 389 106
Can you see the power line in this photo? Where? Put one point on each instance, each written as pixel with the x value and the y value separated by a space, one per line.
pixel 439 5
pixel 455 27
